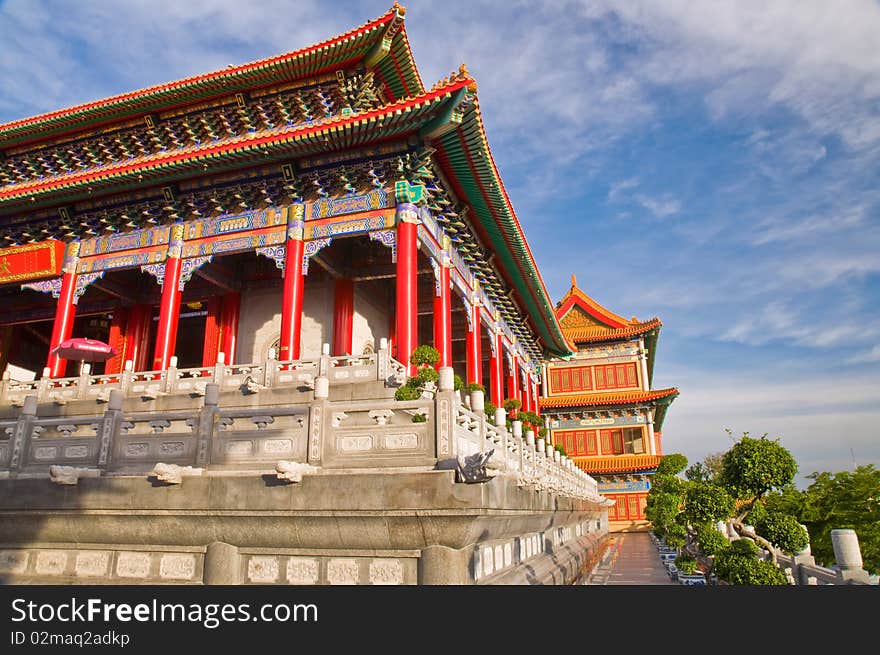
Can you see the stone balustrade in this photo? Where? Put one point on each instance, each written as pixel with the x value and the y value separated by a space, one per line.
pixel 209 421
pixel 247 378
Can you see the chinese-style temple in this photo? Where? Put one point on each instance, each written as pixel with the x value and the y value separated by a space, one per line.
pixel 601 406
pixel 264 247
pixel 323 195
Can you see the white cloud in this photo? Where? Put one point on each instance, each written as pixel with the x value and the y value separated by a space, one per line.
pixel 659 207
pixel 774 229
pixel 819 60
pixel 818 417
pixel 618 188
pixel 872 355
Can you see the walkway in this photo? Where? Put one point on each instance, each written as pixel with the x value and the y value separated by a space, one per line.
pixel 630 559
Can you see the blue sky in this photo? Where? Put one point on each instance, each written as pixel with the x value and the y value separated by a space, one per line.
pixel 713 163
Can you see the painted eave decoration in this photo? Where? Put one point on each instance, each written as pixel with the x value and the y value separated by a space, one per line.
pixel 603 399
pixel 618 463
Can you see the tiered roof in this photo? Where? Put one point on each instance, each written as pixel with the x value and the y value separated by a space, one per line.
pixel 398 71
pixel 585 321
pixel 463 152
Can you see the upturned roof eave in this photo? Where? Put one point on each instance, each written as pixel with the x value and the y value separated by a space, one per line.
pixel 233 79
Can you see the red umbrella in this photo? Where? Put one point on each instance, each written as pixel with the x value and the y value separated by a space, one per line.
pixel 84 350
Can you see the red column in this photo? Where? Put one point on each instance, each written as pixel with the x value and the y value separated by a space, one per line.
pixel 65 312
pixel 212 332
pixel 537 392
pixel 292 298
pixel 527 397
pixel 513 379
pixel 169 309
pixel 137 335
pixel 443 317
pixel 406 306
pixel 343 317
pixel 496 370
pixel 133 334
pixel 118 340
pixel 231 310
pixel 474 354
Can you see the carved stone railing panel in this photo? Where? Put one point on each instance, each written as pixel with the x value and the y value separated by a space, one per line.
pixel 379 433
pixel 7 429
pixel 148 384
pixel 68 441
pixel 261 436
pixel 353 369
pixel 145 439
pixel 299 373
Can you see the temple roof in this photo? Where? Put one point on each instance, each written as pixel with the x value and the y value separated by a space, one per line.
pixel 617 463
pixel 397 70
pixel 659 398
pixel 585 321
pixel 604 399
pixel 596 333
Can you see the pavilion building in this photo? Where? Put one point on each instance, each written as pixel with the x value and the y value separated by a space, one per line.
pixel 265 246
pixel 321 196
pixel 600 406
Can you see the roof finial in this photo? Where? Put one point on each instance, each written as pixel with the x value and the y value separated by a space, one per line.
pixel 399 9
pixel 574 281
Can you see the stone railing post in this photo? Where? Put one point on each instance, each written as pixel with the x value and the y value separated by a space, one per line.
pixel 43 385
pixel 444 407
pixel 382 364
pixel 800 561
pixel 22 432
pixel 82 383
pixel 108 429
pixel 516 436
pixel 207 423
pixel 848 557
pixel 126 376
pixel 540 456
pixel 324 365
pixel 500 420
pixel 171 375
pixel 317 419
pixel 219 369
pixel 4 386
pixel 478 407
pixel 269 369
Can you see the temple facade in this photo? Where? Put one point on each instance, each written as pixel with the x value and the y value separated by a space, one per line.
pixel 265 247
pixel 600 406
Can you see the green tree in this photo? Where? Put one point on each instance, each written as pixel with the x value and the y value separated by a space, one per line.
pixel 848 499
pixel 729 487
pixel 706 471
pixel 672 464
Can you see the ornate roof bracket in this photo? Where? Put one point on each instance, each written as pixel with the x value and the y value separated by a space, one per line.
pixel 451 117
pixel 383 47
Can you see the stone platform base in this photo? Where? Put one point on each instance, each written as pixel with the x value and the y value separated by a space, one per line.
pixel 403 527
